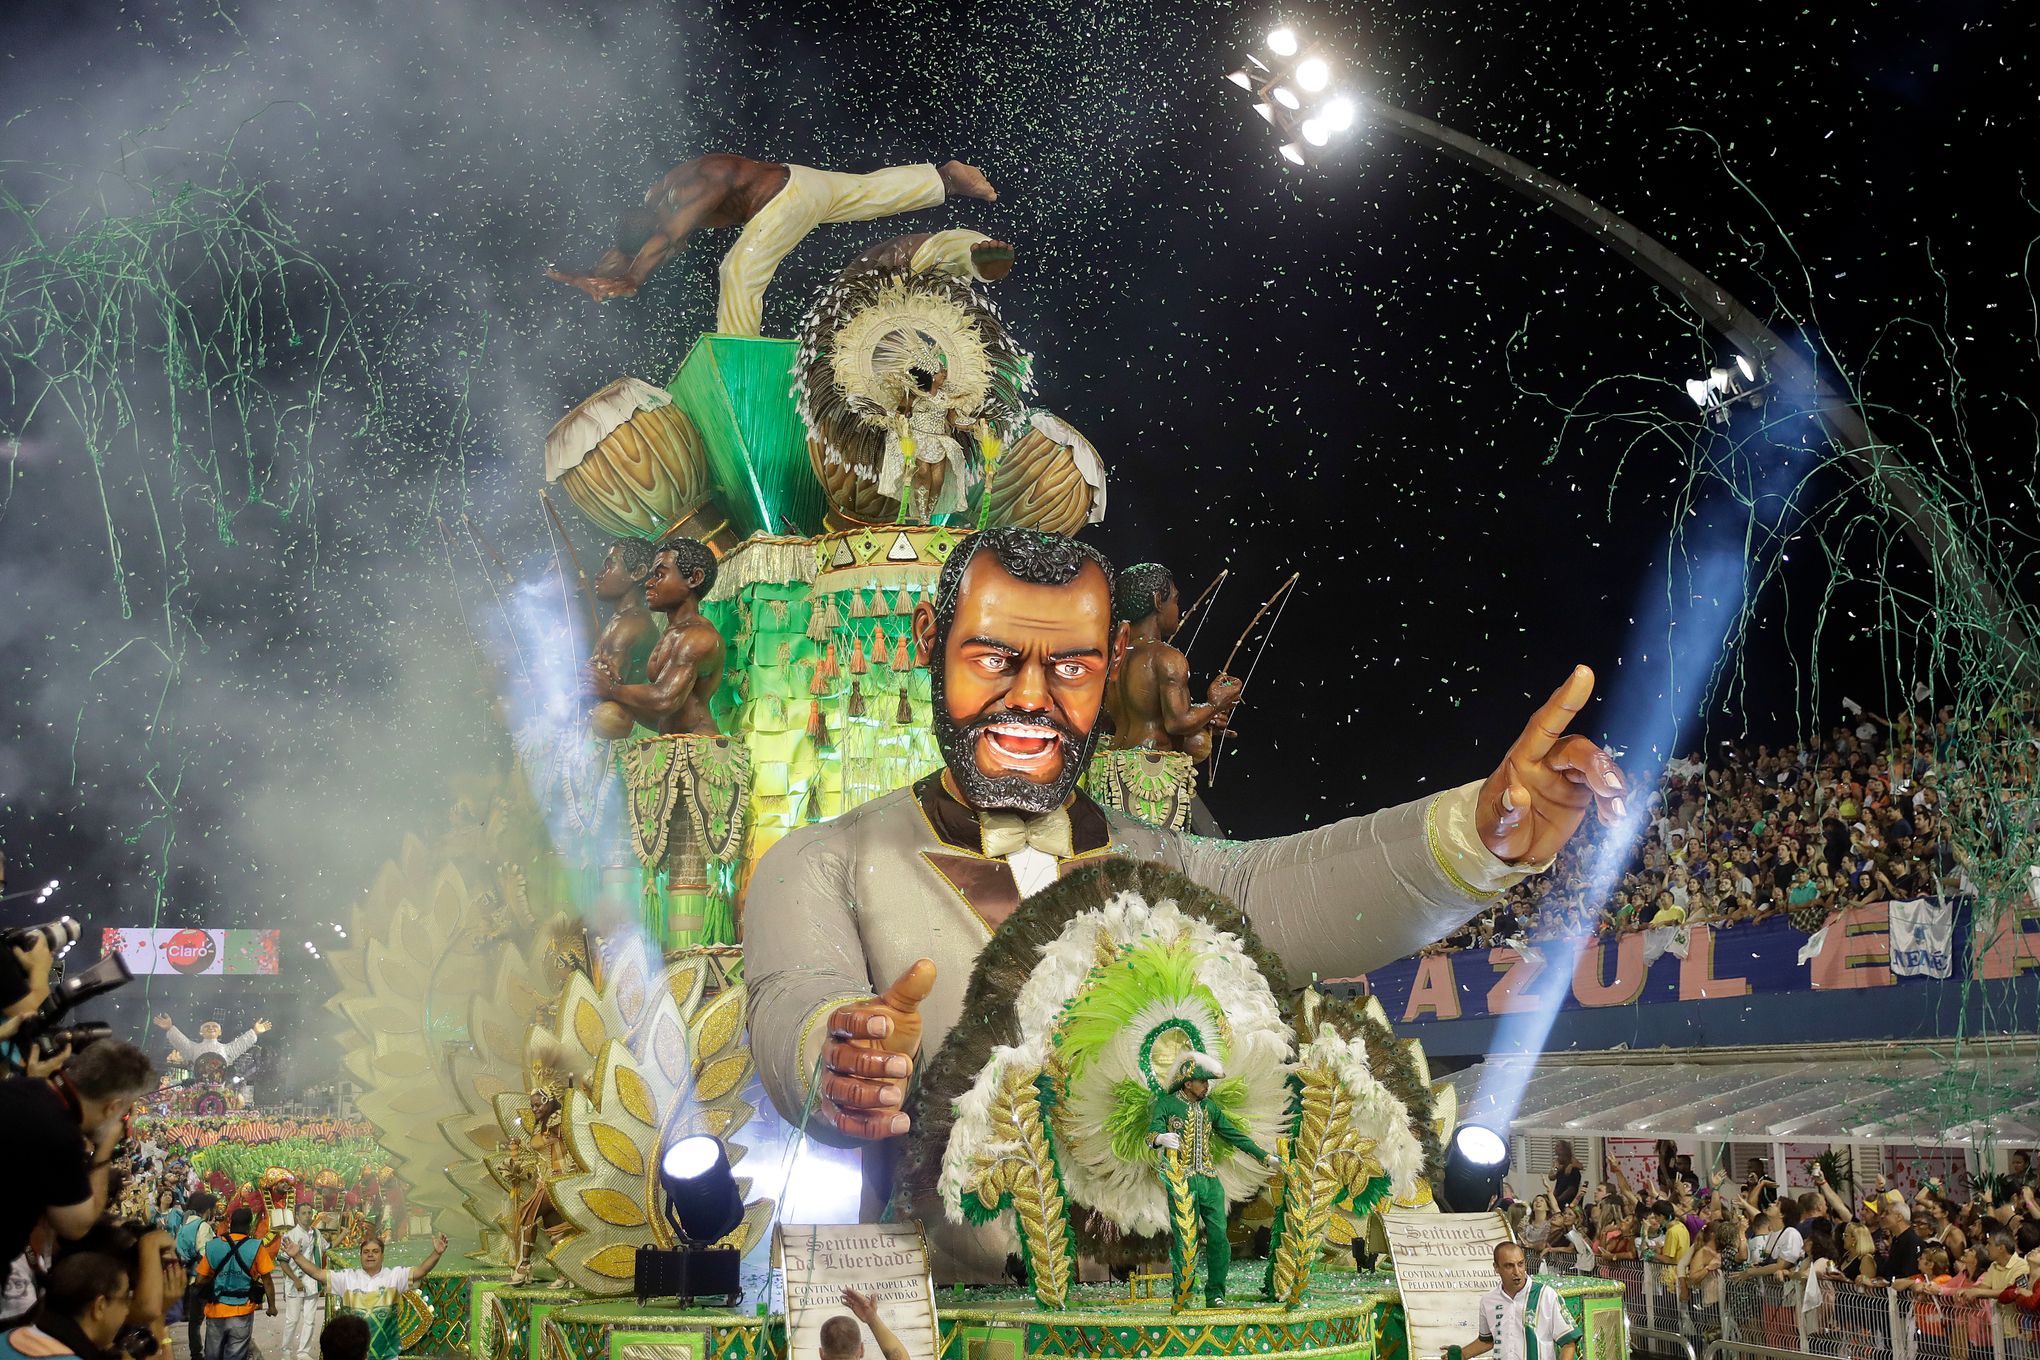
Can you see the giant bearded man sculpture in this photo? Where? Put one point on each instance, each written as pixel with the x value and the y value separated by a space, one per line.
pixel 861 931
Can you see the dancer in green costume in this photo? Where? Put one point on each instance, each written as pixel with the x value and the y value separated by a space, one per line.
pixel 1184 1126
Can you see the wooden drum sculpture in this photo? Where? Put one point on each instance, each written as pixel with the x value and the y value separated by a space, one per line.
pixel 633 462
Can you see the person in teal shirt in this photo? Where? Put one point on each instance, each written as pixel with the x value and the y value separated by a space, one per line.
pixel 1184 1125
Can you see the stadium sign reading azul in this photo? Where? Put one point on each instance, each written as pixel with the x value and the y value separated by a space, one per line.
pixel 1733 985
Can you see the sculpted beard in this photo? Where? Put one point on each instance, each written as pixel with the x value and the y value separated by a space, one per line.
pixel 1013 793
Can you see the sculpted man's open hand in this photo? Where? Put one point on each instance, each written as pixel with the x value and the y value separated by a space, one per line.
pixel 869 1057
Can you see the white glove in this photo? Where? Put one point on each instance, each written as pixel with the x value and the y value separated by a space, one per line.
pixel 1274 1161
pixel 1171 1141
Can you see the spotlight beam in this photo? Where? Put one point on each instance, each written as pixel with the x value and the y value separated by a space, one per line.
pixel 1925 522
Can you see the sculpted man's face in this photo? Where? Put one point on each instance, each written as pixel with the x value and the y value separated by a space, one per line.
pixel 666 588
pixel 1019 683
pixel 209 1031
pixel 1169 613
pixel 613 581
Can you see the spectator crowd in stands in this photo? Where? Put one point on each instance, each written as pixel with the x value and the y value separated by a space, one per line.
pixel 1753 833
pixel 1951 1260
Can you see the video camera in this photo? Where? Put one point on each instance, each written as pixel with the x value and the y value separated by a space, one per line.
pixel 44 1027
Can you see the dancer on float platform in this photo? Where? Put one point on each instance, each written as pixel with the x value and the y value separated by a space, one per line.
pixel 861 931
pixel 776 205
pixel 1186 1128
pixel 1520 1319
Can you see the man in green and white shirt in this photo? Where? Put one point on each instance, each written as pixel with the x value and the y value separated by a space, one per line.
pixel 1520 1319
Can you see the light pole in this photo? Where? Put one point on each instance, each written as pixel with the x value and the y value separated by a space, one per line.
pixel 1926 523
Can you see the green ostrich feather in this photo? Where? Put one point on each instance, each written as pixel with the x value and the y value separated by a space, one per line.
pixel 1127 1126
pixel 1116 992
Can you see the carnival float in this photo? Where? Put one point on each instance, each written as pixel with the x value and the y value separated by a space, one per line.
pixel 542 998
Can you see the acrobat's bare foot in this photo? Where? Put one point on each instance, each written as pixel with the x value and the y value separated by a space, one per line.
pixel 991 260
pixel 966 181
pixel 600 287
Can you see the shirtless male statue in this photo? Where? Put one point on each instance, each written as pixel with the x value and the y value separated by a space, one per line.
pixel 686 666
pixel 626 640
pixel 1149 698
pixel 777 205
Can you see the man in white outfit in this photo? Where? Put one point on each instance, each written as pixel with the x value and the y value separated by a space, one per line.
pixel 1520 1318
pixel 304 1297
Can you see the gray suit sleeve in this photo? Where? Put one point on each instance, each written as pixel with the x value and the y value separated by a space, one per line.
pixel 801 952
pixel 1340 899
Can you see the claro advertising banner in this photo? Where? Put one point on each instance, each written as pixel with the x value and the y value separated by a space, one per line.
pixel 195 953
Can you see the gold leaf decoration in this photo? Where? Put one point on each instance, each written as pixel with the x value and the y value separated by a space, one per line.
pixel 618 1150
pixel 613 1206
pixel 617 1262
pixel 1022 1175
pixel 720 1077
pixel 588 1026
pixel 636 1096
pixel 644 1094
pixel 427 936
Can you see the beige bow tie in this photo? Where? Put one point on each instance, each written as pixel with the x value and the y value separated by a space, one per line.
pixel 1005 833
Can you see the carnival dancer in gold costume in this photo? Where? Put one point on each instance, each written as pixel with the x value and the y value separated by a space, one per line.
pixel 527 1168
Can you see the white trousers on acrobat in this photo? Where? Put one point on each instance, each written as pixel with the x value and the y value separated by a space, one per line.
pixel 303 1316
pixel 810 198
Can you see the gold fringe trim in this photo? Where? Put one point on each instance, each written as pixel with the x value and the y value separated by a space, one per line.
pixel 765 559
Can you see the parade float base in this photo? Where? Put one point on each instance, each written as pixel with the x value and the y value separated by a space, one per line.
pixel 1344 1315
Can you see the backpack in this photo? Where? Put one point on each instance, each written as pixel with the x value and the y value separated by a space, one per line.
pixel 240 1288
pixel 187 1240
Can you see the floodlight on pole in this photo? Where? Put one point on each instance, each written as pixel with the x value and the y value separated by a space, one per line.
pixel 1927 523
pixel 1313 74
pixel 1282 42
pixel 1749 373
pixel 1286 97
pixel 1337 114
pixel 1267 111
pixel 1315 132
pixel 1292 153
pixel 1241 79
pixel 1697 390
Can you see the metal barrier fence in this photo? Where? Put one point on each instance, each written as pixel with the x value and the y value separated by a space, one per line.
pixel 1840 1320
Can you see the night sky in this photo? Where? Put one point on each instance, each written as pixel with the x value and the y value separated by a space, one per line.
pixel 1362 371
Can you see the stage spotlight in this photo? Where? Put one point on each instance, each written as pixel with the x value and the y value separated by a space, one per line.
pixel 1241 79
pixel 1313 74
pixel 702 1206
pixel 1286 97
pixel 702 1203
pixel 1292 153
pixel 1475 1163
pixel 1337 115
pixel 1282 42
pixel 1697 390
pixel 1315 132
pixel 1749 373
pixel 1267 111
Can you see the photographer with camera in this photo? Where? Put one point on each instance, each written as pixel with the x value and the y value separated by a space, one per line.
pixel 58 1135
pixel 83 1310
pixel 238 1270
pixel 154 1279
